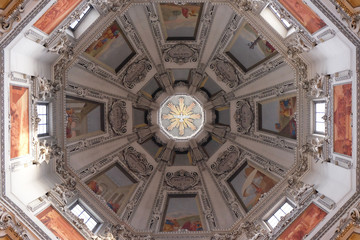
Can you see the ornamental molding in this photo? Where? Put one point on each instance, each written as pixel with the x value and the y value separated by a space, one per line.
pixel 180 53
pixel 136 72
pixel 226 161
pixel 225 72
pixel 182 180
pixel 9 222
pixel 137 162
pixel 118 117
pixel 9 17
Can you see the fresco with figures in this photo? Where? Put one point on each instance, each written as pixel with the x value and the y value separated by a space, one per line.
pixel 111 50
pixel 304 14
pixel 283 123
pixel 247 48
pixel 114 186
pixel 303 224
pixel 58 225
pixel 342 119
pixel 180 22
pixel 84 117
pixel 249 184
pixel 182 213
pixel 55 15
pixel 19 112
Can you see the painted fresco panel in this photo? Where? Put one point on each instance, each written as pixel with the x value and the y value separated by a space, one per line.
pixel 55 15
pixel 342 119
pixel 304 14
pixel 249 184
pixel 19 111
pixel 354 3
pixel 182 213
pixel 180 22
pixel 58 225
pixel 304 224
pixel 114 186
pixel 248 49
pixel 84 117
pixel 111 50
pixel 354 236
pixel 277 116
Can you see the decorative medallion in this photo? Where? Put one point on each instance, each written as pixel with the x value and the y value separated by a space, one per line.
pixel 137 162
pixel 181 53
pixel 136 72
pixel 226 161
pixel 182 180
pixel 181 117
pixel 244 116
pixel 118 117
pixel 226 72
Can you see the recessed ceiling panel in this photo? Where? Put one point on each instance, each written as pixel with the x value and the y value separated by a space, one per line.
pixel 55 15
pixel 247 48
pixel 84 118
pixel 277 116
pixel 303 13
pixel 250 184
pixel 182 213
pixel 112 50
pixel 180 22
pixel 114 186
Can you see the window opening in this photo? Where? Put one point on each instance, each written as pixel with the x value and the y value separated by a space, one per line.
pixel 281 212
pixel 76 23
pixel 80 211
pixel 284 22
pixel 43 114
pixel 319 123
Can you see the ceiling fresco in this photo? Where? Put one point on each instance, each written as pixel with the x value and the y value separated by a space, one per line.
pixel 179 120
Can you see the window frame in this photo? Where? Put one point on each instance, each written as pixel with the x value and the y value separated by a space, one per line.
pixel 277 15
pixel 47 133
pixel 89 212
pixel 278 208
pixel 315 102
pixel 79 21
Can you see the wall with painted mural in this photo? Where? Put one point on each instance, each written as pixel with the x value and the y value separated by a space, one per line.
pixel 249 184
pixel 283 123
pixel 182 213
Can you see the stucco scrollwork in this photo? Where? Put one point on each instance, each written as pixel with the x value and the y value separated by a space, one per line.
pixel 315 85
pixel 45 88
pixel 244 116
pixel 226 72
pixel 226 161
pixel 110 5
pixel 182 179
pixel 180 53
pixel 136 73
pixel 137 162
pixel 8 221
pixel 118 117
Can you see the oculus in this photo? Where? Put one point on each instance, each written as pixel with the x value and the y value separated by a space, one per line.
pixel 181 117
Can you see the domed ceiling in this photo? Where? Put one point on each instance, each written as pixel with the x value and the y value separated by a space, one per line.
pixel 179 120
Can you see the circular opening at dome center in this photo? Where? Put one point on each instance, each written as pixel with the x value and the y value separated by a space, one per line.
pixel 181 117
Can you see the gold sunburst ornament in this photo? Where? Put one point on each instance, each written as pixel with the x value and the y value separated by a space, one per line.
pixel 179 113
